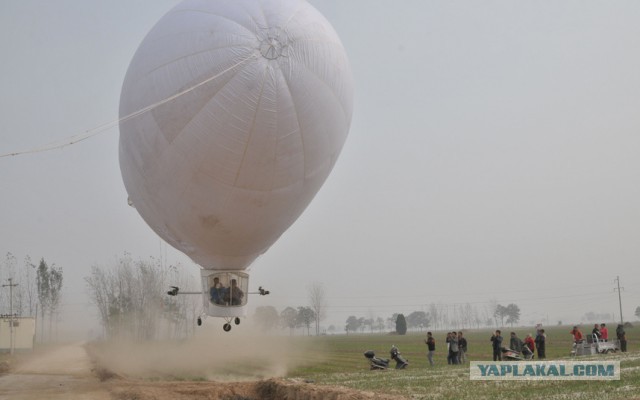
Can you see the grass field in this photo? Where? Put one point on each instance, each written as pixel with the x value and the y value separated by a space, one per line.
pixel 339 360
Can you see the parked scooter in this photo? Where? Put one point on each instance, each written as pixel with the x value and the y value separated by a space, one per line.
pixel 512 355
pixel 376 362
pixel 383 363
pixel 401 362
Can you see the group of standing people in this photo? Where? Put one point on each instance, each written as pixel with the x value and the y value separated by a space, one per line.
pixel 515 343
pixel 457 343
pixel 456 347
pixel 600 332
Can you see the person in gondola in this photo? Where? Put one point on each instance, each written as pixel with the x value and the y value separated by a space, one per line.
pixel 234 294
pixel 217 291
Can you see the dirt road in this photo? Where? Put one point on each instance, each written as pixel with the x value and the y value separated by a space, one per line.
pixel 60 373
pixel 66 372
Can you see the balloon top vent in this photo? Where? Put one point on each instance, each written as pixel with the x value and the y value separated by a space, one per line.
pixel 274 44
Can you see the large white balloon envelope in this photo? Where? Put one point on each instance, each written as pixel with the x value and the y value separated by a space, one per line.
pixel 233 114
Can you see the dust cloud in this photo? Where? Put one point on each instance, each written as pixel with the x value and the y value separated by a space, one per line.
pixel 242 354
pixel 212 365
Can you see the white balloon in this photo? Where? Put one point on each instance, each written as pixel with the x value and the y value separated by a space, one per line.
pixel 244 108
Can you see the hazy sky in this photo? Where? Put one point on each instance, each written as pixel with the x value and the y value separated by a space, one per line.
pixel 493 155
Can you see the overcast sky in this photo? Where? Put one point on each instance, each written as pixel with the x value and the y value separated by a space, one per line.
pixel 493 156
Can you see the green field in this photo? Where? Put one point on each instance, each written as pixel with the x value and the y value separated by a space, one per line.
pixel 339 360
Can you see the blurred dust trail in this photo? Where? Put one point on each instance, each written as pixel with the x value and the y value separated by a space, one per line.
pixel 210 355
pixel 71 359
pixel 59 373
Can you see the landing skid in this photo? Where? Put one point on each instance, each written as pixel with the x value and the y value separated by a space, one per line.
pixel 226 327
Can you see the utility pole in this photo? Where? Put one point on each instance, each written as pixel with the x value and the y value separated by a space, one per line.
pixel 11 286
pixel 619 298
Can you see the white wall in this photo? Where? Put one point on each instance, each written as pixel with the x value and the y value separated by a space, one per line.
pixel 24 333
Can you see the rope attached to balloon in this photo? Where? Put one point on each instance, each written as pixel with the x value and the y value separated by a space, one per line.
pixel 99 129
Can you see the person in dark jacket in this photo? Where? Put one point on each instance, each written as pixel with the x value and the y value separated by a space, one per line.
pixel 234 294
pixel 431 347
pixel 454 348
pixel 217 292
pixel 462 345
pixel 496 341
pixel 540 344
pixel 622 337
pixel 449 354
pixel 595 333
pixel 515 343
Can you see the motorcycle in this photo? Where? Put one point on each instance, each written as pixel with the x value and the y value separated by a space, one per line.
pixel 401 362
pixel 513 355
pixel 376 362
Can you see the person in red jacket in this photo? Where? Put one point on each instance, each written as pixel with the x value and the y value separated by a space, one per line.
pixel 604 332
pixel 528 341
pixel 577 335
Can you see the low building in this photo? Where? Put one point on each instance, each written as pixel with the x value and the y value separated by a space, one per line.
pixel 24 333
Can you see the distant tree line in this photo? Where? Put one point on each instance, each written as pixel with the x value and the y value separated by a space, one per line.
pixel 597 317
pixel 303 317
pixel 38 292
pixel 440 316
pixel 290 318
pixel 417 320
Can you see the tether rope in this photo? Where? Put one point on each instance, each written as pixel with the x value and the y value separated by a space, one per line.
pixel 99 129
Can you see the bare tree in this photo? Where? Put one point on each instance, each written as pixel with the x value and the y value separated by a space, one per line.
pixel 8 272
pixel 486 316
pixel 44 292
pixel 317 301
pixel 29 286
pixel 55 289
pixel 132 302
pixel 512 312
pixel 500 312
pixel 434 312
pixel 391 321
pixel 467 312
pixel 368 322
pixel 305 317
pixel 288 319
pixel 266 317
pixel 493 306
